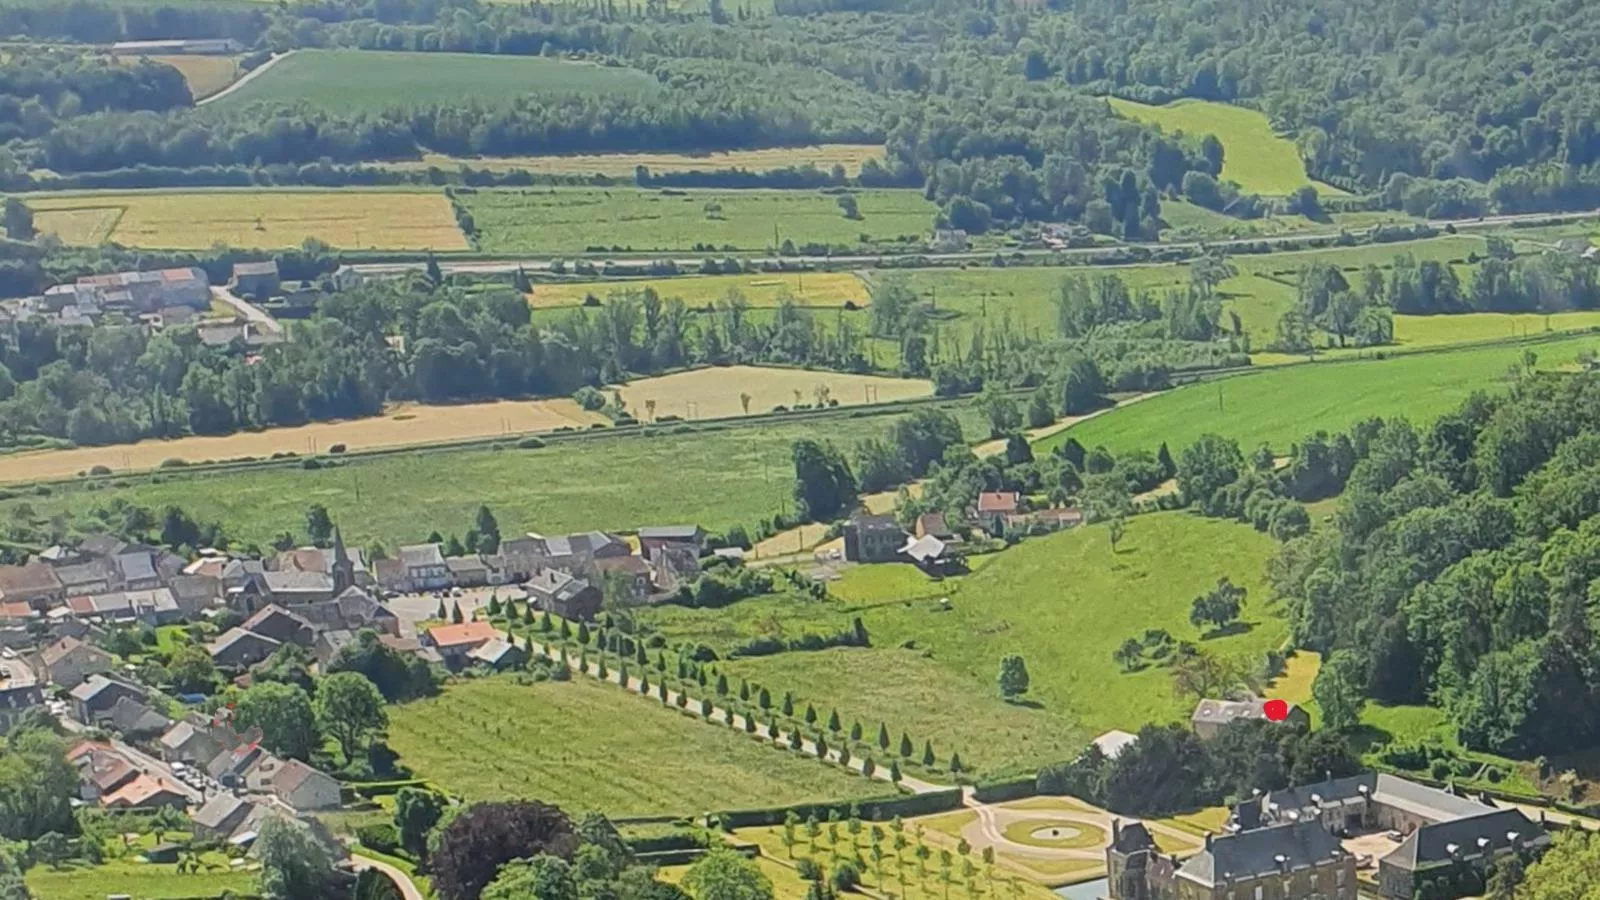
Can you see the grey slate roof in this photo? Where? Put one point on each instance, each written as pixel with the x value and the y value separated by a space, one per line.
pixel 875 523
pixel 670 532
pixel 136 566
pixel 1249 854
pixel 419 556
pixel 1485 833
pixel 1429 803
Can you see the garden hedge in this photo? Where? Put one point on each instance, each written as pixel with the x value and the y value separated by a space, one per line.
pixel 873 810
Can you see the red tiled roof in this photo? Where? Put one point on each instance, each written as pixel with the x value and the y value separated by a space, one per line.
pixel 1002 502
pixel 465 633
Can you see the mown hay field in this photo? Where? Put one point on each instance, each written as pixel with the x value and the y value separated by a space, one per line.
pixel 205 74
pixel 573 220
pixel 1255 156
pixel 195 220
pixel 370 80
pixel 624 165
pixel 402 426
pixel 718 392
pixel 618 752
pixel 763 289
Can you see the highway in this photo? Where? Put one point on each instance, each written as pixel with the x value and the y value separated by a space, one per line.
pixel 543 263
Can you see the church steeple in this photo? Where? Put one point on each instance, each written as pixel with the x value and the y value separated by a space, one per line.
pixel 344 571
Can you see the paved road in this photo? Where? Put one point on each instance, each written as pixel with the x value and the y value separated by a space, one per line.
pixel 722 717
pixel 248 311
pixel 248 77
pixel 408 888
pixel 536 264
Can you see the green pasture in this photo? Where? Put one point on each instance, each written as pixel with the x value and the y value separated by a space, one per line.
pixel 1255 156
pixel 371 81
pixel 1280 406
pixel 146 881
pixel 581 745
pixel 1064 602
pixel 572 220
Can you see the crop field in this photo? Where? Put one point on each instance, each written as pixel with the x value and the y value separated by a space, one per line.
pixel 1064 602
pixel 205 74
pixel 369 80
pixel 1251 408
pixel 624 165
pixel 619 753
pixel 572 220
pixel 719 392
pixel 717 478
pixel 195 220
pixel 1260 160
pixel 763 289
pixel 403 425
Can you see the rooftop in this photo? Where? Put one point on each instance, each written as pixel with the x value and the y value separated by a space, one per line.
pixel 1263 851
pixel 465 633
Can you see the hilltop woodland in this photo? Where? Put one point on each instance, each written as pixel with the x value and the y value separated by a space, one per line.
pixel 1433 107
pixel 1460 570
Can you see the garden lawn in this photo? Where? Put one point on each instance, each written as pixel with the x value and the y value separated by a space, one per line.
pixel 146 881
pixel 1255 408
pixel 582 745
pixel 371 80
pixel 1256 157
pixel 1064 602
pixel 573 220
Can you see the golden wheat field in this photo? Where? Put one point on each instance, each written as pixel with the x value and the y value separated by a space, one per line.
pixel 205 74
pixel 761 289
pixel 714 392
pixel 622 165
pixel 403 425
pixel 195 220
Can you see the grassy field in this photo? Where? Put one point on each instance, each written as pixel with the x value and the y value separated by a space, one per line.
pixel 403 425
pixel 1185 221
pixel 618 753
pixel 367 80
pixel 765 289
pixel 266 219
pixel 205 74
pixel 147 881
pixel 1260 160
pixel 714 393
pixel 624 165
pixel 716 478
pixel 570 220
pixel 1331 395
pixel 1064 602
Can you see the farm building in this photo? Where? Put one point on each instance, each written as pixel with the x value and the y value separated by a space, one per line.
pixel 146 292
pixel 195 46
pixel 255 279
pixel 873 539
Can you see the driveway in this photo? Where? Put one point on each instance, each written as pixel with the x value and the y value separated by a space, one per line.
pixel 408 888
pixel 411 609
pixel 248 311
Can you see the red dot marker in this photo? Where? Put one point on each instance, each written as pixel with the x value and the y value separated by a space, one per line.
pixel 1276 710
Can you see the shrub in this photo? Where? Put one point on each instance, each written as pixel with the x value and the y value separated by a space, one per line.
pixel 99 470
pixel 530 443
pixel 1439 770
pixel 173 462
pixel 336 448
pixel 807 868
pixel 589 398
pixel 380 836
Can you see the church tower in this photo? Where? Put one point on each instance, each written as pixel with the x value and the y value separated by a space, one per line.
pixel 344 571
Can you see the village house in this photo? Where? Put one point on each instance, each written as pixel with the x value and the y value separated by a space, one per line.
pixel 932 556
pixel 631 571
pixel 353 610
pixel 237 649
pixel 255 280
pixel 872 539
pixel 92 700
pixel 454 642
pixel 222 816
pixel 145 792
pixel 146 292
pixel 196 740
pixel 135 721
pixel 473 571
pixel 297 785
pixel 560 594
pixel 297 588
pixel 281 625
pixel 994 507
pixel 68 662
pixel 1211 716
pixel 932 524
pixel 652 539
pixel 497 655
pixel 573 553
pixel 20 690
pixel 35 584
pixel 424 568
pixel 101 769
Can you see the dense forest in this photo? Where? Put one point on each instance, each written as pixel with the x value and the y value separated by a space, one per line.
pixel 1432 106
pixel 1461 566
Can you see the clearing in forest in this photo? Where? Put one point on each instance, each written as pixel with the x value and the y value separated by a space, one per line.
pixel 717 392
pixel 205 74
pixel 371 80
pixel 257 219
pixel 618 752
pixel 761 289
pixel 1256 157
